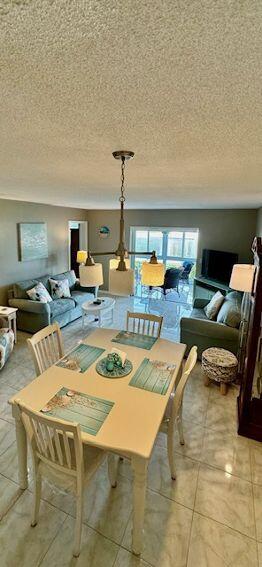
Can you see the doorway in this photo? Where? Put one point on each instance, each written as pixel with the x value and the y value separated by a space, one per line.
pixel 78 240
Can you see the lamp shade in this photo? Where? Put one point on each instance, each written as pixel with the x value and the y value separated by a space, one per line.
pixel 113 263
pixel 81 256
pixel 153 274
pixel 242 277
pixel 121 283
pixel 91 276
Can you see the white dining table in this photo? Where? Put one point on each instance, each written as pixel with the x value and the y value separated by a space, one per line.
pixel 132 425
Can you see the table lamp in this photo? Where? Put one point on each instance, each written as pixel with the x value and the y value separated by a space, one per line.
pixel 81 257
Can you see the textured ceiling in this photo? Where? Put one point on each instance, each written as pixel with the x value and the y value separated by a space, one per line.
pixel 177 82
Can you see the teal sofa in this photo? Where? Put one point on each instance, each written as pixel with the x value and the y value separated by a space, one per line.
pixel 33 315
pixel 198 330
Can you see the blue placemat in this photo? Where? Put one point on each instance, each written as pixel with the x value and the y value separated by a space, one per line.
pixel 135 340
pixel 80 358
pixel 88 411
pixel 153 375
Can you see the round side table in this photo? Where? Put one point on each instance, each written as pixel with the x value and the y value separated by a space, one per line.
pixel 89 308
pixel 220 365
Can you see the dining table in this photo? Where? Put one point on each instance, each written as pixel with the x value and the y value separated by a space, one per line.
pixel 131 427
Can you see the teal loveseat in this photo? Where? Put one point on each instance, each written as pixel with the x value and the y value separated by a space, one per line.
pixel 34 315
pixel 200 331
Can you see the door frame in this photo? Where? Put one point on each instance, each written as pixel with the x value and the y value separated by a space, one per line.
pixel 83 236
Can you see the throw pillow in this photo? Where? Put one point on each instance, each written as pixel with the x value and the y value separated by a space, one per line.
pixel 214 305
pixel 230 312
pixel 39 293
pixel 59 289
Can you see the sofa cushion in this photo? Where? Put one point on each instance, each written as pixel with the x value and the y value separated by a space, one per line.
pixel 20 288
pixel 70 276
pixel 81 296
pixel 197 313
pixel 45 281
pixel 212 308
pixel 230 311
pixel 59 306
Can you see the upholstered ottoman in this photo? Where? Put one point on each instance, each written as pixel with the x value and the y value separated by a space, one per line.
pixel 6 345
pixel 220 365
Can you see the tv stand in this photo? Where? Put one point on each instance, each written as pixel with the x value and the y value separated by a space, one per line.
pixel 205 288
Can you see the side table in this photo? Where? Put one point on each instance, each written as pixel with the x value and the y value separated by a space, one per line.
pixel 220 365
pixel 9 314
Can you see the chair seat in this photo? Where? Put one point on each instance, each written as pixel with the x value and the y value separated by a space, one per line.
pixel 92 456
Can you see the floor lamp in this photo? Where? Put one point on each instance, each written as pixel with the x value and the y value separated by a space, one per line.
pixel 242 279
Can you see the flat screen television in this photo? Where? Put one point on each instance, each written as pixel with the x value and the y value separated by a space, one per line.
pixel 217 265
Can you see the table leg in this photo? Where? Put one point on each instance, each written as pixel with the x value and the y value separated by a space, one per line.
pixel 223 388
pixel 99 319
pixel 139 466
pixel 14 326
pixel 21 449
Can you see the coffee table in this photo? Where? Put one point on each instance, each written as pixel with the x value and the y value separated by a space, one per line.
pixel 106 306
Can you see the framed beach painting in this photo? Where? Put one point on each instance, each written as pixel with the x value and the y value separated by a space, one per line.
pixel 32 241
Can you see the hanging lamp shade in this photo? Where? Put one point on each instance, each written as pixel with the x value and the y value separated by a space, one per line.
pixel 113 263
pixel 242 277
pixel 152 274
pixel 121 283
pixel 91 276
pixel 81 256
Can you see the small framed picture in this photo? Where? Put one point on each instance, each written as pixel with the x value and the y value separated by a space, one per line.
pixel 104 232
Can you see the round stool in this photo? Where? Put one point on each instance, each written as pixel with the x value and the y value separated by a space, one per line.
pixel 220 365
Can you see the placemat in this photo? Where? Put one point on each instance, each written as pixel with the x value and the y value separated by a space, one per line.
pixel 88 411
pixel 153 375
pixel 134 339
pixel 83 356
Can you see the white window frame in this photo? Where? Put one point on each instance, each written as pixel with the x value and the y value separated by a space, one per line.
pixel 165 230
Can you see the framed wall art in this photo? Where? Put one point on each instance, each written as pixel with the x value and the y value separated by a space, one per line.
pixel 32 241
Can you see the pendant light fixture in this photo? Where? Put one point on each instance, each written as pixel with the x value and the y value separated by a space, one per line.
pixel 121 275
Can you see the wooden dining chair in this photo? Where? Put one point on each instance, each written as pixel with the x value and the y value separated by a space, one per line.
pixel 173 414
pixel 46 347
pixel 59 455
pixel 144 323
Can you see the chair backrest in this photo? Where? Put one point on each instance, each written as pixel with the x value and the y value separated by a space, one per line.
pixel 46 347
pixel 55 442
pixel 189 365
pixel 144 323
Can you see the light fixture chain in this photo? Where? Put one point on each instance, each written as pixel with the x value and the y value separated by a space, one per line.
pixel 122 197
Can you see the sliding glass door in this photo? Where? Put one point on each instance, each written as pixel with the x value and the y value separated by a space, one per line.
pixel 174 247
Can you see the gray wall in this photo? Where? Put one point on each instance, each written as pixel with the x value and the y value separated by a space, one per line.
pixel 13 212
pixel 259 222
pixel 227 230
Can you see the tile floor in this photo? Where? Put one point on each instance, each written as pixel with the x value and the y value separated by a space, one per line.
pixel 211 516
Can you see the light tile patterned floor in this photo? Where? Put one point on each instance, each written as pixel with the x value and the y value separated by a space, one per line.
pixel 211 516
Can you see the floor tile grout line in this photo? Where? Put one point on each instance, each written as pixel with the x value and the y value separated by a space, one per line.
pixel 52 541
pixel 198 461
pixel 192 519
pixel 226 526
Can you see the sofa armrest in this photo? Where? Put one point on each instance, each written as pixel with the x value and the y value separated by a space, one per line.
pixel 79 287
pixel 200 303
pixel 30 306
pixel 208 328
